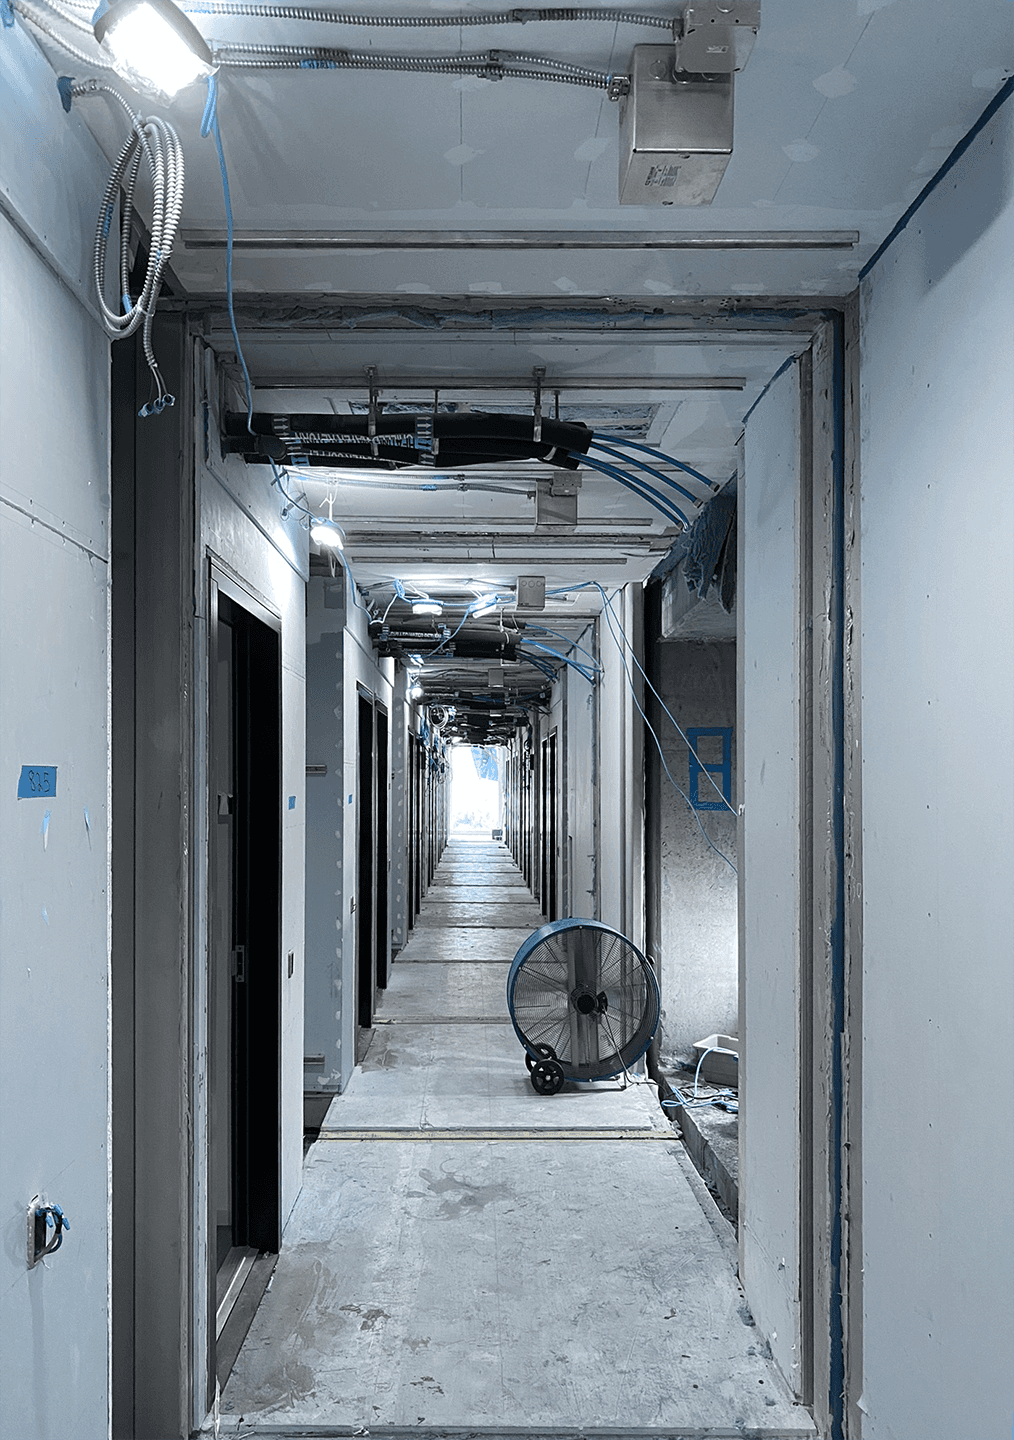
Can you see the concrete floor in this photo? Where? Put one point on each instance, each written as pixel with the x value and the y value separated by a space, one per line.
pixel 468 1256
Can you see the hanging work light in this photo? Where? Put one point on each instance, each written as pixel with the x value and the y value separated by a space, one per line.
pixel 326 533
pixel 427 607
pixel 153 45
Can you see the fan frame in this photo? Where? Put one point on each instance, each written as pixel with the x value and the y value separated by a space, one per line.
pixel 532 943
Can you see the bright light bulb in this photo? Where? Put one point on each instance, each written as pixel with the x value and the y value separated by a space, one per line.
pixel 326 533
pixel 485 606
pixel 427 607
pixel 154 46
pixel 414 692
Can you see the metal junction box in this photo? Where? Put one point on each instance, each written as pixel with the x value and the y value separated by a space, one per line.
pixel 675 131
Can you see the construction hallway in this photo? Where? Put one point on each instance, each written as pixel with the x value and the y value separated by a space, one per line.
pixel 468 1254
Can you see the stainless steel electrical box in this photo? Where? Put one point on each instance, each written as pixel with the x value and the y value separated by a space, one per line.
pixel 675 131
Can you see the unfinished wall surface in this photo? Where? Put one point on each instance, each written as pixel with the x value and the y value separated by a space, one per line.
pixel 621 768
pixel 325 831
pixel 937 401
pixel 698 957
pixel 243 534
pixel 769 731
pixel 582 776
pixel 54 931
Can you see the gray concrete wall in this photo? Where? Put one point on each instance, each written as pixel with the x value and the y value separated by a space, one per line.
pixel 54 876
pixel 698 957
pixel 769 866
pixel 937 616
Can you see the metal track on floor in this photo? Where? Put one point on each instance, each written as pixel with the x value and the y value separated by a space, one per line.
pixel 477 1133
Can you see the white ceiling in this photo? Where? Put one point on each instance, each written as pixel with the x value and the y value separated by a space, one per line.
pixel 845 110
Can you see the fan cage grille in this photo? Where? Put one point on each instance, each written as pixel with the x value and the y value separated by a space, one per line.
pixel 586 991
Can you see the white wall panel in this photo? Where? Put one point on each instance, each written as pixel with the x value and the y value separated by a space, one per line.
pixel 937 402
pixel 54 930
pixel 769 868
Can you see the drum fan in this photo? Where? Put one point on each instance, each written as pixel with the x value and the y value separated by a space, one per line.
pixel 583 1001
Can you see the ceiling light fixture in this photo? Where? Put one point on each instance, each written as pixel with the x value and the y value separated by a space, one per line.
pixel 327 533
pixel 153 45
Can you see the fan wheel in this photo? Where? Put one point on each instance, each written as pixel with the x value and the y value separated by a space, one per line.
pixel 542 1052
pixel 547 1077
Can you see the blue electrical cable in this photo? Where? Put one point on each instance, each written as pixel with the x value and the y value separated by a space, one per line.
pixel 610 618
pixel 548 630
pixel 575 664
pixel 209 126
pixel 659 455
pixel 641 488
pixel 675 723
pixel 650 470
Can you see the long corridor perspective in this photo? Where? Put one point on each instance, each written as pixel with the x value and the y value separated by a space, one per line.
pixel 468 1254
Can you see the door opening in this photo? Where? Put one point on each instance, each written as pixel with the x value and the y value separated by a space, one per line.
pixel 244 947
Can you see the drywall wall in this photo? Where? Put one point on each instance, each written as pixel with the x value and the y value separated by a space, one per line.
pixel 243 534
pixel 698 955
pixel 769 730
pixel 325 831
pixel 582 897
pixel 936 405
pixel 54 879
pixel 621 767
pixel 362 668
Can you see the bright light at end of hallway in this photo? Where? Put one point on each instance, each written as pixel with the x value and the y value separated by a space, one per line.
pixel 476 801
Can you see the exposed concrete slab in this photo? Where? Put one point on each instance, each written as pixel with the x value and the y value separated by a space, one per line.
pixel 446 991
pixel 467 1075
pixel 506 1285
pixel 435 914
pixel 468 894
pixel 430 946
pixel 468 1257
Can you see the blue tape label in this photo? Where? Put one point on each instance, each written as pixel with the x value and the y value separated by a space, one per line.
pixel 292 802
pixel 37 782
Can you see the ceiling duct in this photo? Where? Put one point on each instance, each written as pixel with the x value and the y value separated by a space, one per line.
pixel 676 118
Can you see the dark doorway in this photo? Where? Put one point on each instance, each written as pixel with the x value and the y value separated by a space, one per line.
pixel 365 888
pixel 244 969
pixel 549 829
pixel 383 866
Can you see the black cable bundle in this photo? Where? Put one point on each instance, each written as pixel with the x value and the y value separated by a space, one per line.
pixel 394 441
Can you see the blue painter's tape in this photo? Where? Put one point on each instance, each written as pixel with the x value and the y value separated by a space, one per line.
pixel 350 799
pixel 292 802
pixel 37 782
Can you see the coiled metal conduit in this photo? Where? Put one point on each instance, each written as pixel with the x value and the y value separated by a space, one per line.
pixel 156 141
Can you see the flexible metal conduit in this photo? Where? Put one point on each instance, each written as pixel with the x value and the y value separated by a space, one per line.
pixel 401 22
pixel 296 57
pixel 42 22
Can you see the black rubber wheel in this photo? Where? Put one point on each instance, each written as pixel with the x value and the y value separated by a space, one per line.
pixel 547 1077
pixel 542 1052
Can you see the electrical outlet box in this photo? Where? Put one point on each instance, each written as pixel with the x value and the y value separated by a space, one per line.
pixel 531 592
pixel 717 35
pixel 675 131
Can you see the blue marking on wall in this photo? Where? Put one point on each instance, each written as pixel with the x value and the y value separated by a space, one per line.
pixel 292 802
pixel 37 782
pixel 719 770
